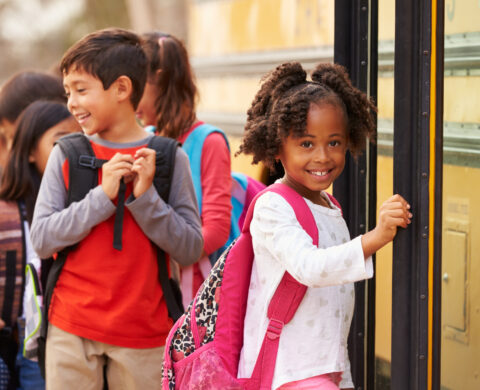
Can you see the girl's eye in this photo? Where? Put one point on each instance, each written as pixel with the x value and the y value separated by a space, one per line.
pixel 334 143
pixel 67 94
pixel 306 144
pixel 80 90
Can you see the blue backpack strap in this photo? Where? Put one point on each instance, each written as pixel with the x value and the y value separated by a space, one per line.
pixel 193 146
pixel 239 192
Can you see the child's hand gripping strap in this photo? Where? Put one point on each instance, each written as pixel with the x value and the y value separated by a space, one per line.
pixel 287 296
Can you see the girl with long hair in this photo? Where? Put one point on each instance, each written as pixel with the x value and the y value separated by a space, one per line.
pixel 169 104
pixel 39 126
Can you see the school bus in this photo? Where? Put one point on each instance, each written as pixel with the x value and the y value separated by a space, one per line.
pixel 417 323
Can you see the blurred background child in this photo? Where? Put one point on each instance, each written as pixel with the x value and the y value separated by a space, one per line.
pixel 39 126
pixel 169 104
pixel 18 92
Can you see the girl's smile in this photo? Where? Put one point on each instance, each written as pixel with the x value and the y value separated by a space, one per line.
pixel 314 160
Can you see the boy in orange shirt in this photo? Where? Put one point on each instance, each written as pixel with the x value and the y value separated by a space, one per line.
pixel 108 307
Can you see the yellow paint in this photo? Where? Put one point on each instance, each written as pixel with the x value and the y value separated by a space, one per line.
pixel 227 94
pixel 383 277
pixel 462 16
pixel 243 163
pixel 459 360
pixel 386 20
pixel 234 26
pixel 462 97
pixel 385 97
pixel 431 185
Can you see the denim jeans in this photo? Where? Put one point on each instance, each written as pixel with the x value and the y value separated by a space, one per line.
pixel 4 375
pixel 28 371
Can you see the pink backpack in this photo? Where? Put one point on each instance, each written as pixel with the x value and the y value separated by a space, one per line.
pixel 203 348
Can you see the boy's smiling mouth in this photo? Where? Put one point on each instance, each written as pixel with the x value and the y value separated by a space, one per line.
pixel 81 117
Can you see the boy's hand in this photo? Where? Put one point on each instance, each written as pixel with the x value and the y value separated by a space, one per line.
pixel 144 167
pixel 394 212
pixel 120 165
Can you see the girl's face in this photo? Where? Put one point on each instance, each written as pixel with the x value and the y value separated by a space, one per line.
pixel 313 161
pixel 8 128
pixel 146 111
pixel 40 153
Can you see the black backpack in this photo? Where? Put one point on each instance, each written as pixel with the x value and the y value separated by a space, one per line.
pixel 83 176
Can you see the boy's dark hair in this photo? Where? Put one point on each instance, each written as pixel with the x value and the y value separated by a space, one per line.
pixel 175 104
pixel 108 54
pixel 20 178
pixel 24 88
pixel 281 106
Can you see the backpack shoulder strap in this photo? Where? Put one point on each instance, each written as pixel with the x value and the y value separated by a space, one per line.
pixel 166 149
pixel 334 201
pixel 287 296
pixel 82 165
pixel 193 146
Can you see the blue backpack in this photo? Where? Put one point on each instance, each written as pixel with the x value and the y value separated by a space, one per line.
pixel 244 188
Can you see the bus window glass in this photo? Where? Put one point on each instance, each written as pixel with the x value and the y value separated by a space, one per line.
pixel 383 279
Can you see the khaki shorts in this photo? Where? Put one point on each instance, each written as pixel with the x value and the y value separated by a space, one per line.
pixel 73 362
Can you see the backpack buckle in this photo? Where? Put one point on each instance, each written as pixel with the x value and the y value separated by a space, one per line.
pixel 274 328
pixel 87 161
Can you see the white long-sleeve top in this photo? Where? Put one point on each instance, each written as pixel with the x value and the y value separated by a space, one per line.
pixel 315 341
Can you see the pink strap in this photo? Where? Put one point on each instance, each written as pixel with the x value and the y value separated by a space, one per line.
pixel 334 201
pixel 287 297
pixel 194 326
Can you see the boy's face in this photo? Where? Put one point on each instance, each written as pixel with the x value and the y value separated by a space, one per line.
pixel 93 107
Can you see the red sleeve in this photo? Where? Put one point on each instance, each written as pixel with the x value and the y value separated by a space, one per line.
pixel 216 192
pixel 65 171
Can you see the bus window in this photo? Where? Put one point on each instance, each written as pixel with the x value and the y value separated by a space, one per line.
pixel 383 272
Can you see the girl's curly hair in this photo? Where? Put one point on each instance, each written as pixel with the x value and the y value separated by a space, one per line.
pixel 280 108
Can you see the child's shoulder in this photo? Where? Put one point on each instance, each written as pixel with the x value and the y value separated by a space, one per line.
pixel 270 204
pixel 275 203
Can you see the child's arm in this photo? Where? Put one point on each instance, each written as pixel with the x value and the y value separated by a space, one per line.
pixel 55 227
pixel 280 242
pixel 394 212
pixel 216 183
pixel 175 227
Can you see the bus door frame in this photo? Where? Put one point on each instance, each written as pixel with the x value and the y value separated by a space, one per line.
pixel 356 48
pixel 417 166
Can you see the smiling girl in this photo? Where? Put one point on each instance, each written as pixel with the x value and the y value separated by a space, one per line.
pixel 308 126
